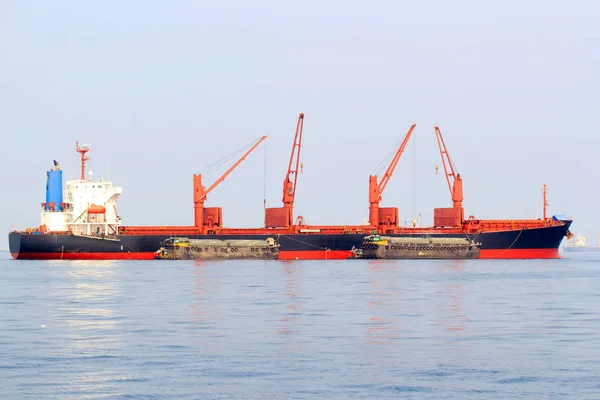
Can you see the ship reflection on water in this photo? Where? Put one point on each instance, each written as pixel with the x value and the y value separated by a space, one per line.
pixel 450 295
pixel 410 300
pixel 291 311
pixel 89 266
pixel 451 318
pixel 386 296
pixel 198 311
pixel 396 300
pixel 257 298
pixel 88 287
pixel 83 297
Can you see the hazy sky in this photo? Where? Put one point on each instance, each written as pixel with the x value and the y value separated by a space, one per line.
pixel 164 89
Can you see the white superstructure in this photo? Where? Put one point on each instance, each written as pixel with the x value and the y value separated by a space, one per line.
pixel 89 206
pixel 577 241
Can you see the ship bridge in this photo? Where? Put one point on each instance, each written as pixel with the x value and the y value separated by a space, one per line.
pixel 84 207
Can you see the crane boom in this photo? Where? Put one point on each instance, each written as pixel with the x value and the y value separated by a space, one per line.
pixel 284 216
pixel 452 176
pixel 200 192
pixel 376 189
pixel 234 166
pixel 291 178
pixel 394 162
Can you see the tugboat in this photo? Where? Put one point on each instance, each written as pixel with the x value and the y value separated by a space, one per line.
pixel 178 248
pixel 391 248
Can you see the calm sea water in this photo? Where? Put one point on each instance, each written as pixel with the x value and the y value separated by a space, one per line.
pixel 300 330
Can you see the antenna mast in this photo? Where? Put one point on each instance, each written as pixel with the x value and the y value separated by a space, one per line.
pixel 545 200
pixel 82 150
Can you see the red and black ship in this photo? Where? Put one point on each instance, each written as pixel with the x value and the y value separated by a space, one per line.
pixel 81 221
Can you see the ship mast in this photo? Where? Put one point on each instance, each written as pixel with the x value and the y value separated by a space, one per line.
pixel 545 200
pixel 84 158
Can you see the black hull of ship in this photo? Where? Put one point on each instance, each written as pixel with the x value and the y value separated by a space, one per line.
pixel 540 242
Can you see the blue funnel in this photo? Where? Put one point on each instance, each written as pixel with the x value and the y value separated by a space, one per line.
pixel 54 190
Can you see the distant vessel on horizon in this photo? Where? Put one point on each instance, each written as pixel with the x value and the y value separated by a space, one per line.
pixel 577 244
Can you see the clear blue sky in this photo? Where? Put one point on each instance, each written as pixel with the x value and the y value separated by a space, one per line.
pixel 163 89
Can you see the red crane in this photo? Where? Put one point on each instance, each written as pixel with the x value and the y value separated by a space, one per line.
pixel 376 189
pixel 291 178
pixel 200 192
pixel 455 186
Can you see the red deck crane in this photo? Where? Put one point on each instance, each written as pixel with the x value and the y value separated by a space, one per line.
pixel 213 215
pixel 283 217
pixel 449 216
pixel 388 215
pixel 291 178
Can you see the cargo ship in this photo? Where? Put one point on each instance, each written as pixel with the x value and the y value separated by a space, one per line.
pixel 576 244
pixel 80 220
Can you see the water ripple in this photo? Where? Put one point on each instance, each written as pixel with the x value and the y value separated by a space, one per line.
pixel 302 330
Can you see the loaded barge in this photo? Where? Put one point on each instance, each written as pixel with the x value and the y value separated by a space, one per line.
pixel 215 249
pixel 80 220
pixel 414 248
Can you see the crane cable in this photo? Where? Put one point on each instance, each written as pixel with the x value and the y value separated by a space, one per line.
pixel 414 199
pixel 225 159
pixel 387 159
pixel 265 179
